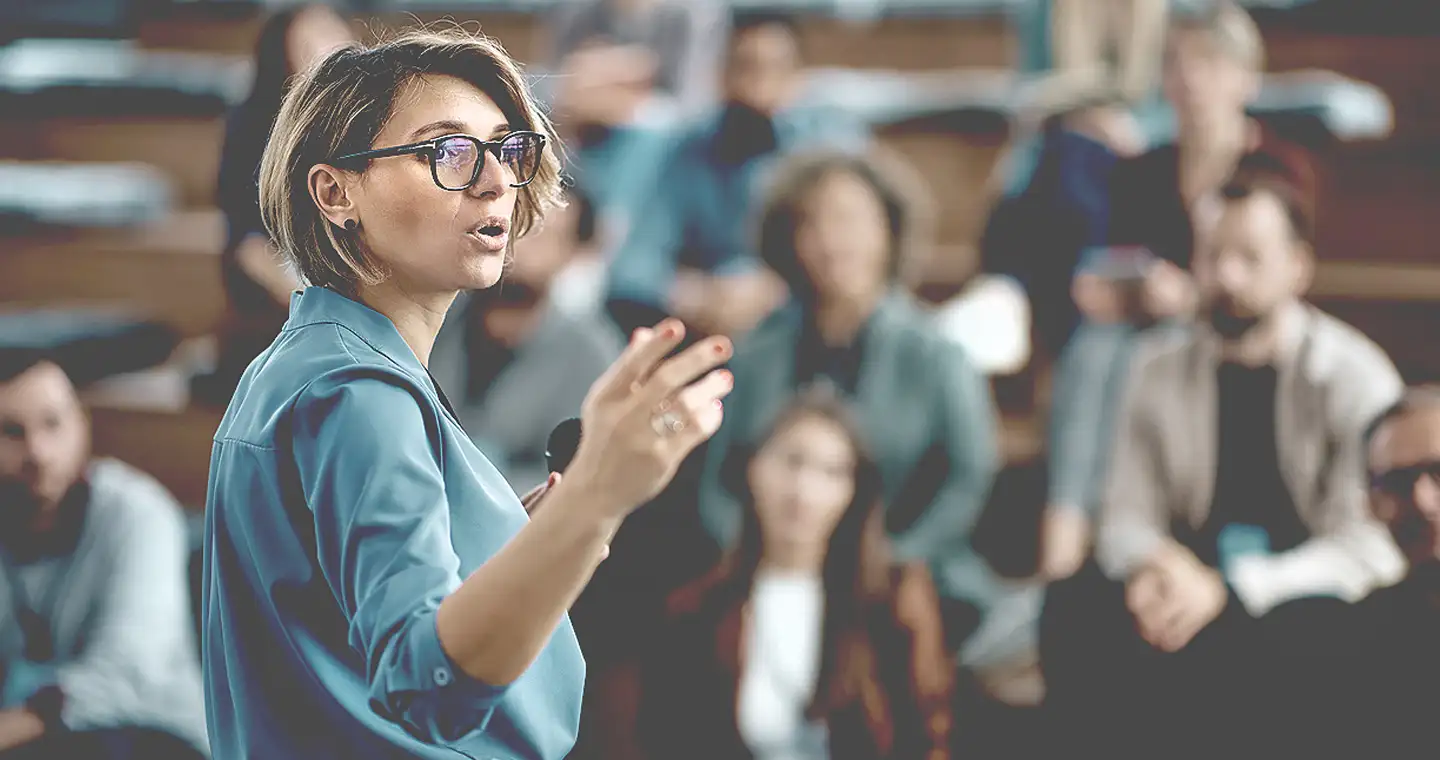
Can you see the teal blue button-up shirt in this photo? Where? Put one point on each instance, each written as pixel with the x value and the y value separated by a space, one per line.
pixel 345 502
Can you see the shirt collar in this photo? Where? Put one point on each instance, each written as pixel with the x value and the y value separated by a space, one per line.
pixel 316 305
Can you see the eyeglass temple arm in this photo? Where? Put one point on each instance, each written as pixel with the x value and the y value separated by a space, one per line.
pixel 398 150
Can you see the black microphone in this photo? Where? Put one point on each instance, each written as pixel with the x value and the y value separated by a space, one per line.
pixel 561 445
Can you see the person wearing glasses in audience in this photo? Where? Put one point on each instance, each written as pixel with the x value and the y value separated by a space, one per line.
pixel 373 588
pixel 1374 673
pixel 806 641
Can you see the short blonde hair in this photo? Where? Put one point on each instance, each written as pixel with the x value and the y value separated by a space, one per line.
pixel 1229 26
pixel 340 105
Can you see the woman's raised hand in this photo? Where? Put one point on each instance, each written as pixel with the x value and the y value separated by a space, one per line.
pixel 646 414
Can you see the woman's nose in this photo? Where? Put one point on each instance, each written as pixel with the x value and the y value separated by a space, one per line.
pixel 493 179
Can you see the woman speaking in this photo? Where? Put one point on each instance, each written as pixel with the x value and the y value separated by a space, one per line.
pixel 373 588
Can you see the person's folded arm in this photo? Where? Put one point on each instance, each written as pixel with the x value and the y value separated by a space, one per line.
pixel 142 620
pixel 439 652
pixel 968 430
pixel 1133 523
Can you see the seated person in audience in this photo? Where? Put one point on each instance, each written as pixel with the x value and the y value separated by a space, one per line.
pixel 1161 202
pixel 1157 298
pixel 688 252
pixel 836 230
pixel 98 659
pixel 257 283
pixel 1360 682
pixel 1234 486
pixel 1087 190
pixel 613 57
pixel 1394 631
pixel 806 641
pixel 515 364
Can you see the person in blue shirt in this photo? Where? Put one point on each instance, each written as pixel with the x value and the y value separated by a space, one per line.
pixel 688 252
pixel 372 586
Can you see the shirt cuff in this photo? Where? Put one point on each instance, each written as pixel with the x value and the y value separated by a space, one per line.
pixel 460 704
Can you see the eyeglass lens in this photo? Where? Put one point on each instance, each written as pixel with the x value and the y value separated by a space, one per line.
pixel 457 160
pixel 1402 480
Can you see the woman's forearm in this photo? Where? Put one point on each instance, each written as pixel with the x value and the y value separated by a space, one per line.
pixel 502 616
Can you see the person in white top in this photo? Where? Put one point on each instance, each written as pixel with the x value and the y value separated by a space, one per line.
pixel 806 642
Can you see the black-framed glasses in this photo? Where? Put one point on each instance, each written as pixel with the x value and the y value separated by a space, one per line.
pixel 457 160
pixel 1401 480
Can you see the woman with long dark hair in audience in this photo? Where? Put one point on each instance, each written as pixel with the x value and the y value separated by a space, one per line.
pixel 806 642
pixel 839 228
pixel 257 282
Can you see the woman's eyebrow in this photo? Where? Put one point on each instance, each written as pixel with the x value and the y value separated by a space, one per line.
pixel 444 125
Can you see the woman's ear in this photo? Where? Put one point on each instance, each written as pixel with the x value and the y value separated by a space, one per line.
pixel 330 190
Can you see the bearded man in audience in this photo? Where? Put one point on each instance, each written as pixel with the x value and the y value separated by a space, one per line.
pixel 1235 486
pixel 97 641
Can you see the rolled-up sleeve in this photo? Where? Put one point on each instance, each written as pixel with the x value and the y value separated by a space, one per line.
pixel 369 465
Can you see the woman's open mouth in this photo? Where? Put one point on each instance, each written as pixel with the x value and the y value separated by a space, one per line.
pixel 493 235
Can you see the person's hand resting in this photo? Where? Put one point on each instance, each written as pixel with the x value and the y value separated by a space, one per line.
pixel 1173 597
pixel 1100 300
pixel 19 726
pixel 645 415
pixel 1168 291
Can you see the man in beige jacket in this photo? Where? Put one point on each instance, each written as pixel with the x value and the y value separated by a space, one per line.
pixel 1236 484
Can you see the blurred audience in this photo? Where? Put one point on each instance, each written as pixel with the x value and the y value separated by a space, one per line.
pixel 512 361
pixel 616 58
pixel 688 252
pixel 98 659
pixel 806 641
pixel 1224 459
pixel 1214 58
pixel 1234 485
pixel 257 282
pixel 1160 203
pixel 836 229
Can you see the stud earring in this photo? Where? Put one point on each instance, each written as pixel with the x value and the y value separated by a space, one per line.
pixel 350 225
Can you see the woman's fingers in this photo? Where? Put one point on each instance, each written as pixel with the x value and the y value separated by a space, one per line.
pixel 647 348
pixel 536 495
pixel 701 407
pixel 677 373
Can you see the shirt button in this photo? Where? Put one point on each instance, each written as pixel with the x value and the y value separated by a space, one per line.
pixel 442 676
